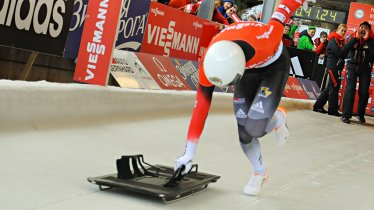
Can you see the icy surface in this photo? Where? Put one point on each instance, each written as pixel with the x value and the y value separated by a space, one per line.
pixel 45 161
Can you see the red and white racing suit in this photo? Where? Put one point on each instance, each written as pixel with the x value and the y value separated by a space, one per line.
pixel 258 93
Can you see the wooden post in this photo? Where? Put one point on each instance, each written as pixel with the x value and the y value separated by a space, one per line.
pixel 29 64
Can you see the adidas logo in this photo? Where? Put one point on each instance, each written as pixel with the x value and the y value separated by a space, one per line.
pixel 240 114
pixel 258 107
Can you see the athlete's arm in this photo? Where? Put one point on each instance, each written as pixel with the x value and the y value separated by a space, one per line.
pixel 282 15
pixel 285 9
pixel 200 112
pixel 199 115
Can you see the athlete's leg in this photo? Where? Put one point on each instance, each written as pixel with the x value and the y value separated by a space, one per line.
pixel 262 116
pixel 245 91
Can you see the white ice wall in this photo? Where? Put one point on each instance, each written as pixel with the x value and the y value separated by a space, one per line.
pixel 43 102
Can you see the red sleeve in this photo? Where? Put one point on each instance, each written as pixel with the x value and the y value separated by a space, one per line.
pixel 200 112
pixel 285 9
pixel 321 49
pixel 178 3
pixel 218 17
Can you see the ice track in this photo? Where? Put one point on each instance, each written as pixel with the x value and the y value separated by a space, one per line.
pixel 54 136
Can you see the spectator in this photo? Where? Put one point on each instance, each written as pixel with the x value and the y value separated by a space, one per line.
pixel 359 65
pixel 296 38
pixel 217 16
pixel 294 26
pixel 232 16
pixel 306 42
pixel 336 53
pixel 252 18
pixel 287 40
pixel 235 8
pixel 227 4
pixel 320 44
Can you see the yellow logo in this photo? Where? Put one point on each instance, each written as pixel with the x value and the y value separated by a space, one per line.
pixel 265 92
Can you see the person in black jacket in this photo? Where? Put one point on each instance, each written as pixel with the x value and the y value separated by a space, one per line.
pixel 359 65
pixel 287 40
pixel 336 53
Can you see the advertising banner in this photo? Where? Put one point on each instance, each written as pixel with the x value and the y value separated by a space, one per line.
pixel 359 13
pixel 163 72
pixel 76 28
pixel 311 88
pixel 96 47
pixel 172 33
pixel 36 25
pixel 129 72
pixel 210 29
pixel 188 70
pixel 131 26
pixel 294 89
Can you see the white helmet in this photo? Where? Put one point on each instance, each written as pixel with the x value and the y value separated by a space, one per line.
pixel 224 63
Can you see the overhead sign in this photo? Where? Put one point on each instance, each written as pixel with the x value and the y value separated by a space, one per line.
pixel 36 25
pixel 99 35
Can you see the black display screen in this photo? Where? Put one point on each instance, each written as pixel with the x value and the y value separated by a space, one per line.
pixel 320 14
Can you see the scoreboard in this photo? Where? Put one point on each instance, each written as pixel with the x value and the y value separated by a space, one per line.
pixel 320 14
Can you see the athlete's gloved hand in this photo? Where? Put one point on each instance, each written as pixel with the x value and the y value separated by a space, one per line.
pixel 186 159
pixel 286 8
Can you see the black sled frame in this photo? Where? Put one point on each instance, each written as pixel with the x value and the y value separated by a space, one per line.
pixel 157 181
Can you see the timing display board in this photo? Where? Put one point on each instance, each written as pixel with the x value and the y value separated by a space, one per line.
pixel 320 14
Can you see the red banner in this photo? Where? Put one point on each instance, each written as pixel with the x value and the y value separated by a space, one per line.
pixel 173 33
pixel 359 13
pixel 294 89
pixel 99 34
pixel 210 29
pixel 163 72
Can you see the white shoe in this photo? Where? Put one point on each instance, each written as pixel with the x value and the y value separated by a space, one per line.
pixel 281 133
pixel 254 185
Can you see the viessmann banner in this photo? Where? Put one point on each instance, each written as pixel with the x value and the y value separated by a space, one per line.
pixel 172 33
pixel 37 25
pixel 133 19
pixel 96 47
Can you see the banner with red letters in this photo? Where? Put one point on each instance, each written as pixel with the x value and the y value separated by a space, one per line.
pixel 96 47
pixel 163 72
pixel 173 33
pixel 294 89
pixel 210 29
